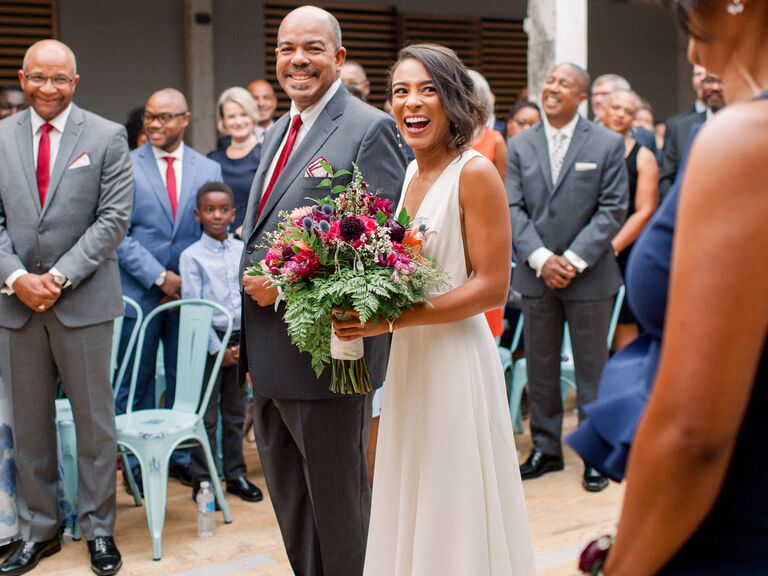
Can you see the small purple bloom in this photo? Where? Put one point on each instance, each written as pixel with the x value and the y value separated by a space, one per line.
pixel 308 222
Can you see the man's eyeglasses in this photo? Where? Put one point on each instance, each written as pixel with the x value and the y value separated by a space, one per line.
pixel 38 80
pixel 163 117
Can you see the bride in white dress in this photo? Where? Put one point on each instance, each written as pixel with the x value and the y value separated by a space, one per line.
pixel 447 495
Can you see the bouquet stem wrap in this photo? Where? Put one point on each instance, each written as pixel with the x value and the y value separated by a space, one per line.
pixel 349 371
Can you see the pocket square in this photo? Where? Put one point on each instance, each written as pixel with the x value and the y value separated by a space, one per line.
pixel 80 161
pixel 315 168
pixel 584 166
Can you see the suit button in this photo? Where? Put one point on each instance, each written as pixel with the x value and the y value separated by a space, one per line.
pixel 551 213
pixel 250 248
pixel 41 231
pixel 38 264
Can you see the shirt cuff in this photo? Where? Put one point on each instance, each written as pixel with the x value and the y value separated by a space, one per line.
pixel 537 259
pixel 57 275
pixel 575 260
pixel 8 288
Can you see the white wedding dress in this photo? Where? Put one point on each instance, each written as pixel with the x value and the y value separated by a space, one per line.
pixel 447 495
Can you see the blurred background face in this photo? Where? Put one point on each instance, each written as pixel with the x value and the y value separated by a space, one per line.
pixel 522 120
pixel 165 121
pixel 644 119
pixel 619 112
pixel 600 93
pixel 353 76
pixel 265 98
pixel 237 123
pixel 712 92
pixel 11 101
pixel 698 75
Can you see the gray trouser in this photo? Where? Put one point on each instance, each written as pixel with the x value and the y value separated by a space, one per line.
pixel 588 323
pixel 30 359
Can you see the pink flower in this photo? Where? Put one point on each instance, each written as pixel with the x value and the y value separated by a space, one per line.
pixel 298 214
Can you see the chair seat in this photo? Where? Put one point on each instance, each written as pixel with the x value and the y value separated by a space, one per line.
pixel 157 423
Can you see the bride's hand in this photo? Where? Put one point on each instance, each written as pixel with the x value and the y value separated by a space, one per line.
pixel 352 328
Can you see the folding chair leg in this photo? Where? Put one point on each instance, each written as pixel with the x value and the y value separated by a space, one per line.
pixel 155 476
pixel 519 380
pixel 213 472
pixel 128 471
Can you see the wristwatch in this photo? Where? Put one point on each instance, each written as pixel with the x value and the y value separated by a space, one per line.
pixel 160 280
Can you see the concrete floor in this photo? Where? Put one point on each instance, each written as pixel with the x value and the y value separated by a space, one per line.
pixel 563 517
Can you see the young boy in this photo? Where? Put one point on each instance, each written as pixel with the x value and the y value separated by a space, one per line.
pixel 210 270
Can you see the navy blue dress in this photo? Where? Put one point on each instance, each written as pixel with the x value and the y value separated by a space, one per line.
pixel 238 175
pixel 733 539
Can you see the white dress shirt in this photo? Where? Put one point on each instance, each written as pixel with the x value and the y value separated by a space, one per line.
pixel 54 135
pixel 308 118
pixel 178 162
pixel 539 256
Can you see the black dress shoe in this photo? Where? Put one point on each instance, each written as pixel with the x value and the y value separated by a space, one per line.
pixel 105 557
pixel 539 464
pixel 182 473
pixel 593 481
pixel 244 490
pixel 28 555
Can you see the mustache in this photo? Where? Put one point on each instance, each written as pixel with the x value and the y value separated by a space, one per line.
pixel 301 69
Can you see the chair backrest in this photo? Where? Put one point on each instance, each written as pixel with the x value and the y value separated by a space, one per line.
pixel 118 372
pixel 195 323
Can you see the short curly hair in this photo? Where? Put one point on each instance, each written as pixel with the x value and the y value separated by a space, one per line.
pixel 454 86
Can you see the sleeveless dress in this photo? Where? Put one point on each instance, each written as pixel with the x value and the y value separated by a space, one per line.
pixel 733 538
pixel 447 495
pixel 625 315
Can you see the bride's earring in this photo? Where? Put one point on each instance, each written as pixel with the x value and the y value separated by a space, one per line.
pixel 399 141
pixel 735 7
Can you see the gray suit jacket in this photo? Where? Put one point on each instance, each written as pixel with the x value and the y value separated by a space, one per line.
pixel 581 212
pixel 346 131
pixel 85 216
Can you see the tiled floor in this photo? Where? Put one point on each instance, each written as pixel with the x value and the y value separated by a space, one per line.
pixel 562 518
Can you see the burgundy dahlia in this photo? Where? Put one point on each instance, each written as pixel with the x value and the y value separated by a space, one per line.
pixel 396 231
pixel 351 228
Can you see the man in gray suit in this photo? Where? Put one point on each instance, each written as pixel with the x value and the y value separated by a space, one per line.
pixel 311 441
pixel 65 202
pixel 567 186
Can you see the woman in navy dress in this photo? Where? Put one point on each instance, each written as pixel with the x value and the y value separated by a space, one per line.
pixel 237 116
pixel 697 490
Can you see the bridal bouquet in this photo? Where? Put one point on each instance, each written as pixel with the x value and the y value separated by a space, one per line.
pixel 347 252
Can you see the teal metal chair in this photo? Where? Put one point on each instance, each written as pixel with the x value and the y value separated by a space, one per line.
pixel 567 369
pixel 505 355
pixel 152 435
pixel 65 428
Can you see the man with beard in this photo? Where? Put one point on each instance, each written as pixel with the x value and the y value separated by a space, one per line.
pixel 312 441
pixel 677 136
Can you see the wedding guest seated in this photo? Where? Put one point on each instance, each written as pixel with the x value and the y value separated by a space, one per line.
pixel 210 269
pixel 237 116
pixel 11 101
pixel 523 115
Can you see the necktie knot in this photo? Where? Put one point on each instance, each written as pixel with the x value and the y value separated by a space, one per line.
pixel 169 159
pixel 46 128
pixel 296 123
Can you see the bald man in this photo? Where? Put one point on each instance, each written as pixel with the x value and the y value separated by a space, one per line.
pixel 355 79
pixel 167 174
pixel 65 202
pixel 266 102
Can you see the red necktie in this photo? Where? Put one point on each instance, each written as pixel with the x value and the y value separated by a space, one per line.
pixel 44 162
pixel 170 183
pixel 282 160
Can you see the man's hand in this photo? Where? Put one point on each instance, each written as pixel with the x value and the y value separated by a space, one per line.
pixel 231 356
pixel 172 285
pixel 557 272
pixel 260 289
pixel 38 291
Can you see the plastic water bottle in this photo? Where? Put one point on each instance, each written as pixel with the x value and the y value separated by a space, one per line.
pixel 206 508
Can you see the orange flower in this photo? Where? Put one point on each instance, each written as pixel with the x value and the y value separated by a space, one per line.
pixel 414 241
pixel 301 245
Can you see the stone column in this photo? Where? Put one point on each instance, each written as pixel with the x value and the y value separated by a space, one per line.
pixel 198 52
pixel 557 32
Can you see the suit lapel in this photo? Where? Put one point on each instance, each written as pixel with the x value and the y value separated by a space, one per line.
pixel 324 126
pixel 580 134
pixel 148 164
pixel 541 147
pixel 187 183
pixel 72 130
pixel 26 155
